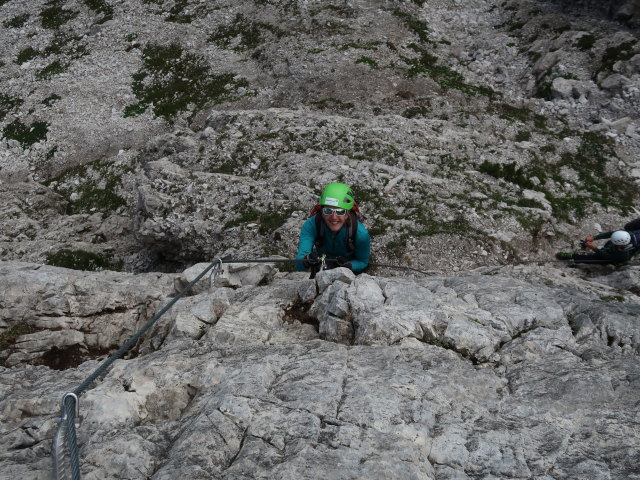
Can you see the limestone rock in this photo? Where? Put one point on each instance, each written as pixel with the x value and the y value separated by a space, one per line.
pixel 440 371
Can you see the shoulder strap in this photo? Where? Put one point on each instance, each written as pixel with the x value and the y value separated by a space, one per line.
pixel 319 241
pixel 352 230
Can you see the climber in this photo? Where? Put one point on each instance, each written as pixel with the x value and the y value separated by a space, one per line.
pixel 334 231
pixel 620 248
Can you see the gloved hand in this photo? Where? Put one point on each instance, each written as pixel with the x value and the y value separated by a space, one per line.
pixel 311 259
pixel 588 243
pixel 343 262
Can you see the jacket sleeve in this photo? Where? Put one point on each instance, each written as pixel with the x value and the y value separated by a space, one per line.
pixel 308 235
pixel 360 259
pixel 603 235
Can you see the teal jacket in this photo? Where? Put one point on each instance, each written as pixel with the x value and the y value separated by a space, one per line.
pixel 334 245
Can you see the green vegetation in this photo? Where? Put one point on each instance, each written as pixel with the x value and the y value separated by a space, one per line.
pixel 611 55
pixel 523 136
pixel 9 336
pixel 26 135
pixel 26 54
pixel 55 15
pixel 509 112
pixel 509 172
pixel 612 298
pixel 427 64
pixel 175 81
pixel 268 220
pixel 100 7
pixel 332 103
pixel 585 42
pixel 83 260
pixel 65 44
pixel 419 111
pixel 95 186
pixel 416 26
pixel 8 103
pixel 51 99
pixel 61 44
pixel 597 185
pixel 17 21
pixel 373 45
pixel 244 34
pixel 543 89
pixel 368 61
pixel 54 68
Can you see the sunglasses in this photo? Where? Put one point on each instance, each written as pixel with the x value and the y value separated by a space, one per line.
pixel 328 211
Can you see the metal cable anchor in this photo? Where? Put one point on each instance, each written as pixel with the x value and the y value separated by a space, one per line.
pixel 77 409
pixel 215 271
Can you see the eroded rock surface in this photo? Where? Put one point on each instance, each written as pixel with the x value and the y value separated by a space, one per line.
pixel 479 375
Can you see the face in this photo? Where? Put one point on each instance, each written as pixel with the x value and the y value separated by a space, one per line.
pixel 333 221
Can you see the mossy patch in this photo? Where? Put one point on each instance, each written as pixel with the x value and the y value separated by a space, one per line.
pixel 521 114
pixel 54 68
pixel 51 99
pixel 268 220
pixel 427 64
pixel 417 26
pixel 244 34
pixel 509 172
pixel 17 22
pixel 330 103
pixel 599 180
pixel 174 81
pixel 368 61
pixel 26 54
pixel 91 188
pixel 585 42
pixel 83 260
pixel 9 336
pixel 611 55
pixel 8 103
pixel 54 16
pixel 372 45
pixel 26 135
pixel 417 111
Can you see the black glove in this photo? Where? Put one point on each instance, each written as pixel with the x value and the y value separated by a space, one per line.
pixel 311 259
pixel 343 262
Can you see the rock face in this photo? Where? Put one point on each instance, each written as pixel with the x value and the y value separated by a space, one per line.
pixel 522 373
pixel 154 135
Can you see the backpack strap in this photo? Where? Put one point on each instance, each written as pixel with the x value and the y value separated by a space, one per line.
pixel 352 230
pixel 319 241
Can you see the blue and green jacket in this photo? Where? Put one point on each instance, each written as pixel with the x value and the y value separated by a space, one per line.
pixel 334 244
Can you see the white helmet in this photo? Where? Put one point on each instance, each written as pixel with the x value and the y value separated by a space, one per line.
pixel 620 238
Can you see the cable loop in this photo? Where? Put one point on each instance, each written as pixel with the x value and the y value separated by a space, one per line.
pixel 215 271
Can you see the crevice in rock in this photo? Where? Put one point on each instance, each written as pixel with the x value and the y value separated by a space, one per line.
pixel 343 394
pixel 69 357
pixel 299 311
pixel 242 440
pixel 442 343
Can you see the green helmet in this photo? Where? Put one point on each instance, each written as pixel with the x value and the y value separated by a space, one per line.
pixel 337 195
